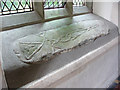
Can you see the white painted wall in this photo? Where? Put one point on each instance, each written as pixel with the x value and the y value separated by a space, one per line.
pixel 107 9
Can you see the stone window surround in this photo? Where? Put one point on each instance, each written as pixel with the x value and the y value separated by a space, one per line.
pixel 40 15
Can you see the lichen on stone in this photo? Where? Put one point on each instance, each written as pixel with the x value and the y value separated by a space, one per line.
pixel 46 44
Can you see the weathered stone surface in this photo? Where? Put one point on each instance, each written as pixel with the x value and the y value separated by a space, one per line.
pixel 46 44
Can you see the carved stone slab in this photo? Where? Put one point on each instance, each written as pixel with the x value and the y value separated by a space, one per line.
pixel 47 44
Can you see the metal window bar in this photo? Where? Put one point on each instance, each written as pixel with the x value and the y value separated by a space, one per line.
pixel 52 4
pixel 78 2
pixel 15 6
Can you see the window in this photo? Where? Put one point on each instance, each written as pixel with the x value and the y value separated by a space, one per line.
pixel 51 4
pixel 78 2
pixel 15 6
pixel 43 11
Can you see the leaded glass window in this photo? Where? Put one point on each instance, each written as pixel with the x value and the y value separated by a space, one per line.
pixel 15 6
pixel 78 2
pixel 51 4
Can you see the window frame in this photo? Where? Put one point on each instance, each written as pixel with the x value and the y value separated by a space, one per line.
pixel 42 15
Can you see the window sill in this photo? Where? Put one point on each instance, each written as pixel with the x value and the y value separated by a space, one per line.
pixel 62 12
pixel 55 13
pixel 78 64
pixel 8 22
pixel 80 10
pixel 18 20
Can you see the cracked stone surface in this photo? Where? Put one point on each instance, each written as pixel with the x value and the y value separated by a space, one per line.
pixel 47 44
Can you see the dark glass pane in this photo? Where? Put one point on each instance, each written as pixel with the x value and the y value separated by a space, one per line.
pixel 50 4
pixel 15 6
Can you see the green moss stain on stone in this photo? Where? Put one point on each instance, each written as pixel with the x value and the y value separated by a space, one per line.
pixel 48 43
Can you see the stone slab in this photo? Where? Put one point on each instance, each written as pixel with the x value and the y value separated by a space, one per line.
pixel 51 43
pixel 18 73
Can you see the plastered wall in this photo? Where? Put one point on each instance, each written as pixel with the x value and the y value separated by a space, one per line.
pixel 107 9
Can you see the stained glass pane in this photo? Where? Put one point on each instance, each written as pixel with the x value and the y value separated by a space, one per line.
pixel 51 4
pixel 15 6
pixel 78 2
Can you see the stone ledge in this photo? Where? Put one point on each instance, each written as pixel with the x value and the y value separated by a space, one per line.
pixel 55 76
